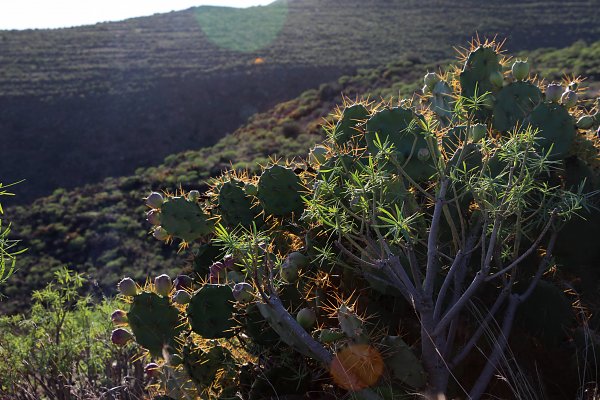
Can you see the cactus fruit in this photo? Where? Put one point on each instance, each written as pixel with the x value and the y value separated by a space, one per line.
pixel 210 311
pixel 289 273
pixel 152 370
pixel 120 337
pixel 154 200
pixel 307 318
pixel 119 317
pixel 291 266
pixel 193 195
pixel 185 219
pixel 351 118
pixel 127 287
pixel 569 98
pixel 585 122
pixel 553 92
pixel 243 292
pixel 182 297
pixel 513 103
pixel 351 324
pixel 160 233
pixel 182 282
pixel 163 285
pixel 280 191
pixel 520 70
pixel 153 217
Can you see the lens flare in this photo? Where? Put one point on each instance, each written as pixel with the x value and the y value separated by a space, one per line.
pixel 243 29
pixel 356 367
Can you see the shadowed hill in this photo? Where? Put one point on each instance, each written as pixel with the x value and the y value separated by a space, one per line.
pixel 84 103
pixel 100 230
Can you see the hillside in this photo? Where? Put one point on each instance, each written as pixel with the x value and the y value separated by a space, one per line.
pixel 85 103
pixel 100 229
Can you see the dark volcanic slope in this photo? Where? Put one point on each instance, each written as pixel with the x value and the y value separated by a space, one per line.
pixel 100 229
pixel 81 104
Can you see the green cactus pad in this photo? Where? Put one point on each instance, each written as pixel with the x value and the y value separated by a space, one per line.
pixel 280 191
pixel 402 362
pixel 556 128
pixel 400 127
pixel 475 76
pixel 211 310
pixel 185 219
pixel 513 103
pixel 154 322
pixel 345 129
pixel 235 206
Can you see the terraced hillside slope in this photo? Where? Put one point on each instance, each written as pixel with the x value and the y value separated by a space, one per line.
pixel 100 229
pixel 85 103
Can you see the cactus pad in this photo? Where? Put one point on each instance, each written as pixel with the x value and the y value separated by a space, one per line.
pixel 514 103
pixel 345 129
pixel 400 127
pixel 154 322
pixel 185 219
pixel 279 191
pixel 475 76
pixel 210 312
pixel 402 362
pixel 235 206
pixel 556 128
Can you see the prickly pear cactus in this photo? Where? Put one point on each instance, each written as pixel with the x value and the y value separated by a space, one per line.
pixel 210 312
pixel 235 206
pixel 154 321
pixel 280 191
pixel 303 278
pixel 184 219
pixel 346 128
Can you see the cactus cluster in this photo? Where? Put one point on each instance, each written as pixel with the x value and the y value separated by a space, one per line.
pixel 300 276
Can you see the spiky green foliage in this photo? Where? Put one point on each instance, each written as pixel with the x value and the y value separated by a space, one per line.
pixel 280 191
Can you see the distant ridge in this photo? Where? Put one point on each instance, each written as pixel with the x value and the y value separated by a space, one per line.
pixel 80 104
